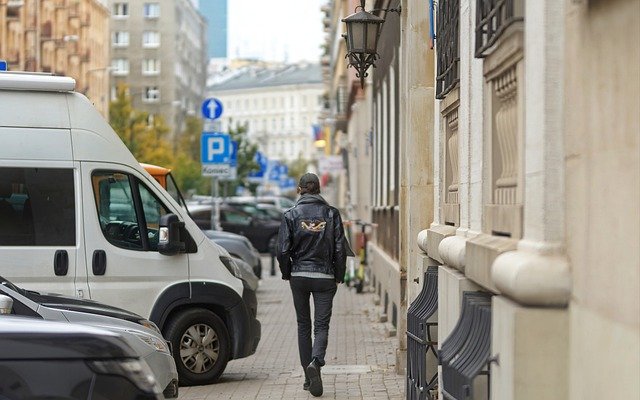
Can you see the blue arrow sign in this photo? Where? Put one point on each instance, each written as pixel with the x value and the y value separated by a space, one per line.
pixel 215 148
pixel 212 108
pixel 3 65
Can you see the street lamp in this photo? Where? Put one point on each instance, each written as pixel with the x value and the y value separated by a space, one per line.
pixel 363 31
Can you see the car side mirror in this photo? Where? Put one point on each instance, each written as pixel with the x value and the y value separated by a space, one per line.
pixel 169 242
pixel 6 304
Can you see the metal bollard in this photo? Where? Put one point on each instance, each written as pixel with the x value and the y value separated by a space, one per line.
pixel 273 265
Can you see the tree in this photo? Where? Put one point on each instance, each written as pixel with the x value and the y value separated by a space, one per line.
pixel 298 167
pixel 144 137
pixel 187 171
pixel 246 163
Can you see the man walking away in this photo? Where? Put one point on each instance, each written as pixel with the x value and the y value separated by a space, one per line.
pixel 312 256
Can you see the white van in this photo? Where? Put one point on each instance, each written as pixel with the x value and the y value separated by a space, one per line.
pixel 79 216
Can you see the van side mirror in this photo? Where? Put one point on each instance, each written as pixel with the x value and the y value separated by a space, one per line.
pixel 6 304
pixel 169 240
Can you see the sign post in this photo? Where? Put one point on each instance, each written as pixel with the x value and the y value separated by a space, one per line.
pixel 215 153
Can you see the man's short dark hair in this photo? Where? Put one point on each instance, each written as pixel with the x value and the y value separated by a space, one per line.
pixel 309 184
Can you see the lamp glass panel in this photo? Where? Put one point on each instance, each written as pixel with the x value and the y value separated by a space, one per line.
pixel 372 37
pixel 357 36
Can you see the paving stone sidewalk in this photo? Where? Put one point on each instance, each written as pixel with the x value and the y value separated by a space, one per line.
pixel 360 358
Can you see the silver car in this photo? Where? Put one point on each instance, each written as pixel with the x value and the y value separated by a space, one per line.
pixel 238 246
pixel 143 336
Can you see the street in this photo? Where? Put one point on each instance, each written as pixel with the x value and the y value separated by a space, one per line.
pixel 360 359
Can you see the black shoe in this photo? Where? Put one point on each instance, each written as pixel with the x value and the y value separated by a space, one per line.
pixel 315 380
pixel 307 382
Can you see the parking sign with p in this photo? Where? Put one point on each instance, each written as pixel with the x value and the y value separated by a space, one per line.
pixel 216 148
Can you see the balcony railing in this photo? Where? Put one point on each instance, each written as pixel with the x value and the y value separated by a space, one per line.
pixel 493 17
pixel 447 46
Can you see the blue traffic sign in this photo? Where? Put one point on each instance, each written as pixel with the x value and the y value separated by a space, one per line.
pixel 215 148
pixel 3 65
pixel 233 157
pixel 212 108
pixel 262 162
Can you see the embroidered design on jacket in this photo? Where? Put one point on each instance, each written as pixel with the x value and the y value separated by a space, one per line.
pixel 313 226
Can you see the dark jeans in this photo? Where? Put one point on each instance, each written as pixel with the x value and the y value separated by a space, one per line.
pixel 323 291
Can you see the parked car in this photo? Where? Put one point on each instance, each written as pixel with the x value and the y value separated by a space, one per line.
pixel 42 360
pixel 141 334
pixel 238 246
pixel 247 274
pixel 262 232
pixel 258 210
pixel 282 203
pixel 92 223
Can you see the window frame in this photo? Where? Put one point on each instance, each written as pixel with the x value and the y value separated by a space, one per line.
pixel 141 219
pixel 124 5
pixel 150 45
pixel 120 34
pixel 151 4
pixel 148 72
pixel 145 94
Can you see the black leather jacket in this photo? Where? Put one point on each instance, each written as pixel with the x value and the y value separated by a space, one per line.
pixel 311 239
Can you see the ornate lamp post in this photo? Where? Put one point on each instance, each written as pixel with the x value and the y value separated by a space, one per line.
pixel 363 31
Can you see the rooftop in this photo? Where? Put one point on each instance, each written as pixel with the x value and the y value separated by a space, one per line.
pixel 250 77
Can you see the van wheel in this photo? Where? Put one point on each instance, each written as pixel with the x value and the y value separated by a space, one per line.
pixel 201 346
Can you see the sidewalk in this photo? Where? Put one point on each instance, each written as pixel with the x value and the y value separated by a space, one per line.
pixel 360 360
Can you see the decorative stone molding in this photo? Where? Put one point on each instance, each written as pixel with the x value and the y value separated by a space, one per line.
pixel 452 251
pixel 504 130
pixel 481 252
pixel 533 279
pixel 429 239
pixel 451 204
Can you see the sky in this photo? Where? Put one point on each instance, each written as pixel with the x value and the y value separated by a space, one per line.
pixel 277 30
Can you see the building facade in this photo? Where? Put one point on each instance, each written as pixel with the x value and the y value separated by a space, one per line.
pixel 278 106
pixel 216 13
pixel 158 49
pixel 65 37
pixel 518 180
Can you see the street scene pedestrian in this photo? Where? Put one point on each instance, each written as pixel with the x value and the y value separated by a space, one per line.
pixel 359 200
pixel 312 257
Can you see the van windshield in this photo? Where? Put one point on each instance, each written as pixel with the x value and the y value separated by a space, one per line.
pixel 173 190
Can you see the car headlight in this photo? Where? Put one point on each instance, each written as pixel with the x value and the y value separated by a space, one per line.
pixel 231 266
pixel 159 345
pixel 149 324
pixel 136 371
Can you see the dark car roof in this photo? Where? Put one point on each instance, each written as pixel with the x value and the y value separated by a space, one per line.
pixel 24 338
pixel 62 302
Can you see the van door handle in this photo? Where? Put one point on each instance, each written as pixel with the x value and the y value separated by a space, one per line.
pixel 99 262
pixel 60 263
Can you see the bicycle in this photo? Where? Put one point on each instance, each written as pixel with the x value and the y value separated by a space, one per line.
pixel 359 277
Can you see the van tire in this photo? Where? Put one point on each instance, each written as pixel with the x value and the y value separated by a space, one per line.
pixel 186 332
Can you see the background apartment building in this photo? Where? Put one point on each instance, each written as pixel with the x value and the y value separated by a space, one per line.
pixel 278 105
pixel 158 49
pixel 65 37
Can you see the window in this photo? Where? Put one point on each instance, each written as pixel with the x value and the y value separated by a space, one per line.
pixel 120 66
pixel 235 217
pixel 116 197
pixel 120 10
pixel 151 10
pixel 150 39
pixel 37 207
pixel 151 94
pixel 150 66
pixel 120 39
